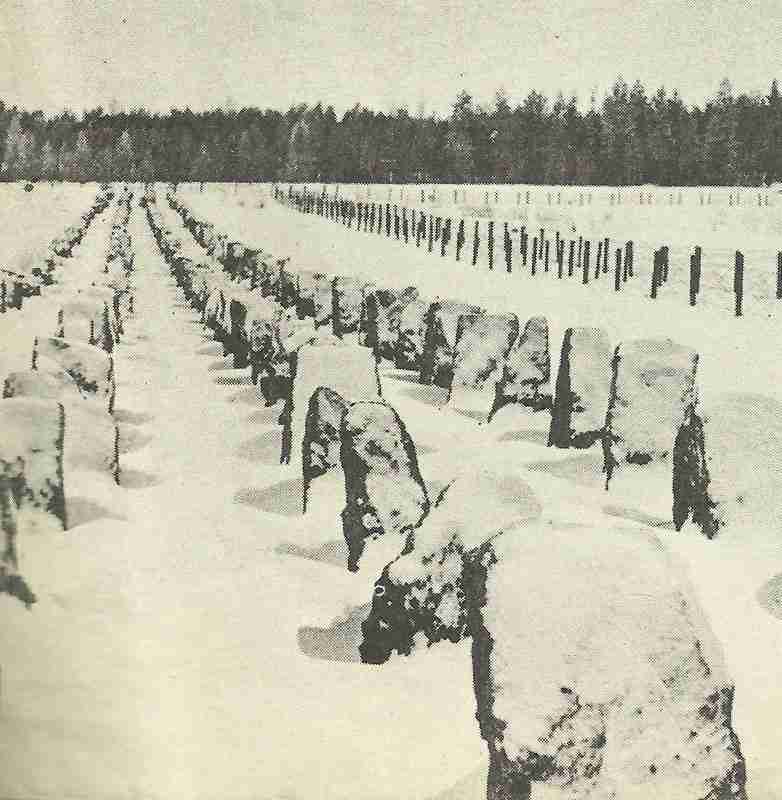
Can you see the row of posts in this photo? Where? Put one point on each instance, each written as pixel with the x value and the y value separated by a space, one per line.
pixel 661 269
pixel 429 230
pixel 410 225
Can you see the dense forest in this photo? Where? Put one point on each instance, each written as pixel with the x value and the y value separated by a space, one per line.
pixel 630 137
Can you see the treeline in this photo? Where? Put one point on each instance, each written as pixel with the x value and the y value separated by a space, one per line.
pixel 628 138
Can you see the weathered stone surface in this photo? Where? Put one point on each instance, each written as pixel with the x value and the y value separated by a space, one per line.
pixel 31 454
pixel 287 285
pixel 308 282
pixel 321 446
pixel 215 314
pixel 90 367
pixel 91 438
pixel 527 375
pixel 268 277
pixel 385 493
pixel 349 370
pixel 582 389
pixel 381 315
pixel 483 342
pixel 322 299
pixel 725 465
pixel 652 390
pixel 600 678
pixel 409 345
pixel 439 351
pixel 347 299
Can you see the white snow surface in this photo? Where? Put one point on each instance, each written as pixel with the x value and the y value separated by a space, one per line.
pixel 164 660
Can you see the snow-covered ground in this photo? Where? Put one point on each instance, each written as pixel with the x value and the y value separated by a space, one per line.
pixel 30 220
pixel 195 635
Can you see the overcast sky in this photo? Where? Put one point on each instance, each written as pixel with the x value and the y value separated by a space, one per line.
pixel 78 54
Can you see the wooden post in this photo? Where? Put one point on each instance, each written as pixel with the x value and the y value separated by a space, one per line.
pixel 738 282
pixel 459 239
pixel 445 237
pixel 412 220
pixel 2 297
pixel 545 263
pixel 419 228
pixel 655 275
pixel 618 270
pixel 599 259
pixel 540 242
pixel 560 257
pixel 388 220
pixel 438 228
pixel 664 263
pixel 629 257
pixel 405 230
pixel 431 233
pixel 580 259
pixel 585 276
pixel 571 253
pixel 779 276
pixel 508 245
pixel 606 244
pixel 476 240
pixel 693 279
pixel 491 244
pixel 534 254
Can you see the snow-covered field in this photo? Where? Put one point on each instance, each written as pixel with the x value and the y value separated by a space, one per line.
pixel 30 220
pixel 177 647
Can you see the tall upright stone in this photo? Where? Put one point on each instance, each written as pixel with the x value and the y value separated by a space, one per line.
pixel 582 389
pixel 483 342
pixel 385 493
pixel 652 391
pixel 526 378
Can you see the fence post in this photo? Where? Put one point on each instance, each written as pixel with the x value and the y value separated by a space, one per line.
pixel 405 229
pixel 431 233
pixel 738 282
pixel 534 254
pixel 545 263
pixel 388 220
pixel 779 276
pixel 459 239
pixel 580 259
pixel 476 240
pixel 445 236
pixel 693 279
pixel 560 257
pixel 599 259
pixel 571 253
pixel 606 244
pixel 2 297
pixel 585 276
pixel 629 257
pixel 618 270
pixel 664 263
pixel 540 242
pixel 508 244
pixel 491 244
pixel 655 275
